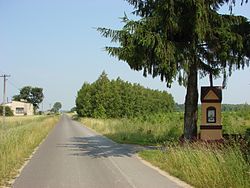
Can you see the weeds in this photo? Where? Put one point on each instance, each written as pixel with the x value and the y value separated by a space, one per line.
pixel 203 165
pixel 199 164
pixel 18 138
pixel 149 130
pixel 159 128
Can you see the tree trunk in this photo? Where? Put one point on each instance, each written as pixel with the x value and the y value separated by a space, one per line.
pixel 211 79
pixel 191 105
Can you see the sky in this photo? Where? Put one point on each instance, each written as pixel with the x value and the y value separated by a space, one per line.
pixel 53 44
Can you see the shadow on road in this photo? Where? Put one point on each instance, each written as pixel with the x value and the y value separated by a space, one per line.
pixel 99 146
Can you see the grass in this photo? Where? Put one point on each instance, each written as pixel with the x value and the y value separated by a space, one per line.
pixel 199 165
pixel 236 122
pixel 18 139
pixel 203 166
pixel 160 128
pixel 150 130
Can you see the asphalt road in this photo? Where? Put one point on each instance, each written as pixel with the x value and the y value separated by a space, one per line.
pixel 74 156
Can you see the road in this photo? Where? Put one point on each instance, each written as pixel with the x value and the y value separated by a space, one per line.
pixel 74 156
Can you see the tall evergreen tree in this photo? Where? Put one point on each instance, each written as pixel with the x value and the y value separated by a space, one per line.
pixel 177 39
pixel 84 105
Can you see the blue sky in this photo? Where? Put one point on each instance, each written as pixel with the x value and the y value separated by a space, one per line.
pixel 53 44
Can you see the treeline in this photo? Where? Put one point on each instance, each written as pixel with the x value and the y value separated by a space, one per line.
pixel 116 98
pixel 225 107
pixel 235 107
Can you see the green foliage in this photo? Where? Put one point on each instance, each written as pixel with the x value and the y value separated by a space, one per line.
pixel 33 95
pixel 179 107
pixel 8 111
pixel 203 165
pixel 116 98
pixel 56 107
pixel 178 39
pixel 161 128
pixel 236 122
pixel 73 109
pixel 235 107
pixel 225 107
pixel 145 130
pixel 171 35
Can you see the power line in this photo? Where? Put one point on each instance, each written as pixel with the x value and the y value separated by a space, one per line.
pixel 14 85
pixel 2 72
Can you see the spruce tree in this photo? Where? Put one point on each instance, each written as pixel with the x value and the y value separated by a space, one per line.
pixel 177 39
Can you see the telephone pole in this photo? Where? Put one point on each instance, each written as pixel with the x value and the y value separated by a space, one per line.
pixel 4 94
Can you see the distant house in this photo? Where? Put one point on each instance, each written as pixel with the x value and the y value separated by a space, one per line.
pixel 21 108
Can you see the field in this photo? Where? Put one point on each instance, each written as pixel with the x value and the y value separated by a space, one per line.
pixel 18 139
pixel 236 122
pixel 161 128
pixel 200 165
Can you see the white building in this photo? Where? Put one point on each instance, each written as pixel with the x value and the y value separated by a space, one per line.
pixel 20 108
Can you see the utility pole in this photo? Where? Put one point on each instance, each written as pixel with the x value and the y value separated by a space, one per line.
pixel 4 94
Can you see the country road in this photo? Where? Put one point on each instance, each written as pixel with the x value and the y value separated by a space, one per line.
pixel 74 156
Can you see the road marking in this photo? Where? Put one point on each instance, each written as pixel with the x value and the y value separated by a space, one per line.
pixel 123 174
pixel 172 178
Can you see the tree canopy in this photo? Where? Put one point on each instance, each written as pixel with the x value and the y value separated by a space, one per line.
pixel 172 34
pixel 33 95
pixel 56 107
pixel 116 98
pixel 178 39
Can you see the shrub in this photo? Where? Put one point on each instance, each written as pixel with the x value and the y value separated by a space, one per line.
pixel 8 111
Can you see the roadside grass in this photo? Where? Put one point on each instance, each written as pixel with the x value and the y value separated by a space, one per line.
pixel 14 121
pixel 150 130
pixel 160 128
pixel 18 139
pixel 199 164
pixel 72 115
pixel 203 165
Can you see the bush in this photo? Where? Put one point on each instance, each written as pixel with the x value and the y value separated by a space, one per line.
pixel 8 111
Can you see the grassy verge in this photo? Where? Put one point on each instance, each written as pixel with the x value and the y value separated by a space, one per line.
pixel 150 130
pixel 160 128
pixel 203 166
pixel 199 165
pixel 18 138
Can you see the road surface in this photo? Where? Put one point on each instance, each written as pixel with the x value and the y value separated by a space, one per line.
pixel 74 156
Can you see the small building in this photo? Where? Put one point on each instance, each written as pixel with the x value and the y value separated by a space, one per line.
pixel 21 108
